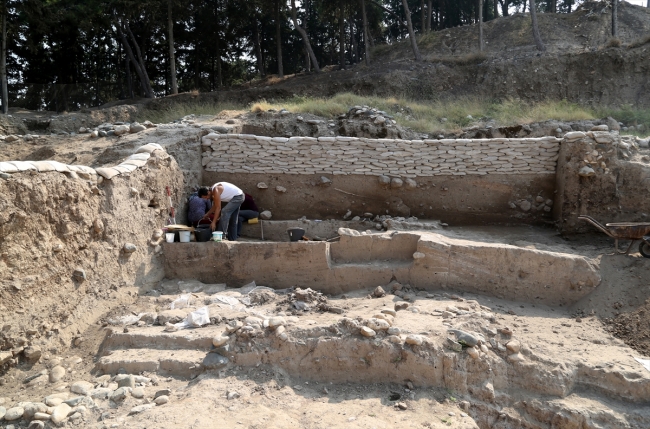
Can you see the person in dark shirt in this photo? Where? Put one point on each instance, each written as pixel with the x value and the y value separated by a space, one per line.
pixel 248 210
pixel 198 206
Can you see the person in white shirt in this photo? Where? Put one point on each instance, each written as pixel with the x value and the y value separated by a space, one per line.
pixel 224 192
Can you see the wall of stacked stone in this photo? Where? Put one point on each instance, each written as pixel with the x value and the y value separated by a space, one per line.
pixel 241 153
pixel 132 163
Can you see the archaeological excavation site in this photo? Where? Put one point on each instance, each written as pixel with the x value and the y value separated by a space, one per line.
pixel 449 282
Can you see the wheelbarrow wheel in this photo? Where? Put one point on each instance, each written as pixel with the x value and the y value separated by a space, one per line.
pixel 644 249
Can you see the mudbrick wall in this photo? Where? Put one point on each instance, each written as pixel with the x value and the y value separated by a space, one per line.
pixel 604 176
pixel 74 244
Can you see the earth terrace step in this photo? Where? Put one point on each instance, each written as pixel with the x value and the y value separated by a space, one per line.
pixel 156 338
pixel 179 363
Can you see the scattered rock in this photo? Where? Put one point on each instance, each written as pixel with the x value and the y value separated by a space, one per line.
pixel 419 255
pixel 56 374
pixel 136 128
pixel 525 205
pixel 141 408
pixel 516 357
pixel 473 352
pixel 513 346
pixel 138 392
pixel 14 413
pixel 378 324
pixel 600 128
pixel 324 181
pixel 401 305
pixel 118 395
pixel 163 392
pixel 82 388
pixel 275 322
pixel 411 184
pixel 11 138
pixel 384 180
pixel 401 406
pixel 215 361
pixel 415 340
pixel 465 338
pixel 266 215
pixel 367 332
pixel 262 185
pixel 161 400
pixel 125 380
pixel 396 183
pixel 79 275
pixel 586 171
pixel 454 345
pixel 32 354
pixel 232 395
pixel 281 189
pixel 60 413
pixel 120 130
pixel 220 340
pixel 129 248
pixel 379 292
pixel 38 424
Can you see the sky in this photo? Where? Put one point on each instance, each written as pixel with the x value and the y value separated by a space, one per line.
pixel 638 2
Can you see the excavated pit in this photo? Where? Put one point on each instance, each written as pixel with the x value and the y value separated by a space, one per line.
pixel 537 354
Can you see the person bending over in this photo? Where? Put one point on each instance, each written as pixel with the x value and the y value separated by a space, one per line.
pixel 224 192
pixel 199 204
pixel 248 210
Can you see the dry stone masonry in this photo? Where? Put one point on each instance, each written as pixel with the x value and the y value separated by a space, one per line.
pixel 241 153
pixel 133 162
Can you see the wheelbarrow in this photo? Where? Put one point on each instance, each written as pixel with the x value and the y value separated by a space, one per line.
pixel 625 231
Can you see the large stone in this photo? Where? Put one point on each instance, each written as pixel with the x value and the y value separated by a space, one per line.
pixel 465 338
pixel 121 130
pixel 161 400
pixel 513 346
pixel 141 408
pixel 60 413
pixel 82 388
pixel 220 340
pixel 378 324
pixel 415 340
pixel 3 411
pixel 383 180
pixel 396 183
pixel 266 215
pixel 125 380
pixel 138 393
pixel 379 292
pixel 118 395
pixel 32 354
pixel 275 322
pixel 215 361
pixel 129 248
pixel 367 332
pixel 56 374
pixel 14 413
pixel 79 275
pixel 37 424
pixel 136 128
pixel 586 172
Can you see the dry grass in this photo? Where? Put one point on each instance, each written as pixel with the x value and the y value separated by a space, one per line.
pixel 639 42
pixel 436 116
pixel 179 110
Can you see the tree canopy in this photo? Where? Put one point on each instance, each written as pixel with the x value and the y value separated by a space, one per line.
pixel 70 54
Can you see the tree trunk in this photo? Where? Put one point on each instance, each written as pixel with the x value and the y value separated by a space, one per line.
pixel 129 80
pixel 423 21
pixel 364 17
pixel 480 25
pixel 614 18
pixel 219 72
pixel 303 34
pixel 142 74
pixel 278 38
pixel 341 36
pixel 3 61
pixel 354 47
pixel 258 48
pixel 496 9
pixel 172 53
pixel 538 38
pixel 409 23
pixel 504 7
pixel 429 14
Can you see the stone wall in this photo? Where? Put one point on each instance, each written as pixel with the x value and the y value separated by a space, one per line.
pixel 457 181
pixel 241 153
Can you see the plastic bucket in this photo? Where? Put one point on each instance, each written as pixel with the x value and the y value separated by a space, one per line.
pixel 217 236
pixel 170 237
pixel 295 234
pixel 202 233
pixel 184 236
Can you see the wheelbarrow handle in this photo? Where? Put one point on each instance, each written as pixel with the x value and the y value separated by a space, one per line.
pixel 597 224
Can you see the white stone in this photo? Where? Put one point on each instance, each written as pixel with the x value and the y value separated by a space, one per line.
pixel 82 388
pixel 415 340
pixel 60 413
pixel 367 332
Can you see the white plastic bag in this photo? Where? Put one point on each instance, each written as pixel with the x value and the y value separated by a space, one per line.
pixel 198 318
pixel 182 301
